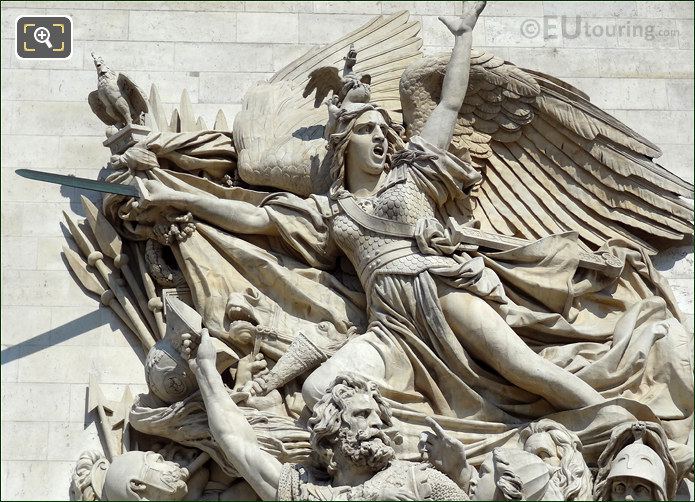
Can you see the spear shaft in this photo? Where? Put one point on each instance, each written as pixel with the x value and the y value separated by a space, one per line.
pixel 112 245
pixel 96 259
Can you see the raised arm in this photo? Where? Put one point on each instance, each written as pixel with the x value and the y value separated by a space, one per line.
pixel 439 127
pixel 227 423
pixel 232 215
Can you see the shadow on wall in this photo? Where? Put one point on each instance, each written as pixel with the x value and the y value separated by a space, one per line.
pixel 71 329
pixel 54 336
pixel 73 194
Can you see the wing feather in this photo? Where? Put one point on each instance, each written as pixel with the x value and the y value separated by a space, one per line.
pixel 615 176
pixel 505 209
pixel 517 205
pixel 134 96
pixel 585 195
pixel 621 200
pixel 589 121
pixel 558 191
pixel 509 174
pixel 552 160
pixel 279 132
pixel 490 214
pixel 557 203
pixel 100 110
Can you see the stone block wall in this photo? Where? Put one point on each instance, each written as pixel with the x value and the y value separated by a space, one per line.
pixel 54 334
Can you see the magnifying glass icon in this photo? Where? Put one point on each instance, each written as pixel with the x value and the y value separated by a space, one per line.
pixel 43 36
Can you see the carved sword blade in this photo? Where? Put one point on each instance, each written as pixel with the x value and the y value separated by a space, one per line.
pixel 81 183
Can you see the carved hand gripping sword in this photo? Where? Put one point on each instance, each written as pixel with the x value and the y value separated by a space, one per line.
pixel 607 264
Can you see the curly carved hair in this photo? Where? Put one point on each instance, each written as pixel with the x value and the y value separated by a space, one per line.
pixel 81 487
pixel 327 419
pixel 573 478
pixel 339 140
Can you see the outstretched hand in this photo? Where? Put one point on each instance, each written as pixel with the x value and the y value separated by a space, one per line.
pixel 197 349
pixel 466 22
pixel 446 453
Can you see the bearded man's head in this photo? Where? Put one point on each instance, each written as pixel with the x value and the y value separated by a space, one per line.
pixel 347 427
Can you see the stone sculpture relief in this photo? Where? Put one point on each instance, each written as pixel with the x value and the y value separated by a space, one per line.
pixel 117 100
pixel 436 290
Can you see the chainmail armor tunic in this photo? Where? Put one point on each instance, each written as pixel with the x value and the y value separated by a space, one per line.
pixel 399 200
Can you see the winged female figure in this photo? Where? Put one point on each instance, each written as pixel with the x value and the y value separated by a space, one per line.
pixel 472 142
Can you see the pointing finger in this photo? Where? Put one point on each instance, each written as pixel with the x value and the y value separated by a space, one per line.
pixel 436 427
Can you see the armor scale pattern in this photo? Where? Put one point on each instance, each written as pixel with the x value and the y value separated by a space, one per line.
pixel 403 202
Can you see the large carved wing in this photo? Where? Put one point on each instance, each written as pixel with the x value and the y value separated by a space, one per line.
pixel 100 110
pixel 279 132
pixel 551 160
pixel 134 96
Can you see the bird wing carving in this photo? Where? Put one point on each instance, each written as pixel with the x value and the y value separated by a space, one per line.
pixel 137 102
pixel 323 80
pixel 552 161
pixel 100 110
pixel 279 132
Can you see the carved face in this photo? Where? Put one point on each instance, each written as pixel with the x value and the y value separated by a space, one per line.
pixel 630 488
pixel 367 148
pixel 138 475
pixel 510 472
pixel 362 413
pixel 543 446
pixel 362 443
pixel 486 489
pixel 635 467
pixel 163 478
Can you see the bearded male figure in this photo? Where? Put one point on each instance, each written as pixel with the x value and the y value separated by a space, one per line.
pixel 353 453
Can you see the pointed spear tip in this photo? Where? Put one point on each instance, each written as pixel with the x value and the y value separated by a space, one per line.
pixel 94 394
pixel 79 267
pixel 108 239
pixel 80 238
pixel 87 204
pixel 69 219
pixel 71 253
pixel 91 211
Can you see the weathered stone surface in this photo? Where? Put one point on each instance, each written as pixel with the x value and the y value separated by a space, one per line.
pixel 24 400
pixel 91 24
pixel 177 26
pixel 133 55
pixel 257 28
pixel 626 94
pixel 43 150
pixel 316 28
pixel 56 333
pixel 223 57
pixel 227 87
pixel 25 440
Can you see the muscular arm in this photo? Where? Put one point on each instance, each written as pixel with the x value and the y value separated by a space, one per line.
pixel 234 434
pixel 439 127
pixel 233 215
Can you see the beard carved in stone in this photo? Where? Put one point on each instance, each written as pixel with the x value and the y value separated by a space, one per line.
pixel 347 430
